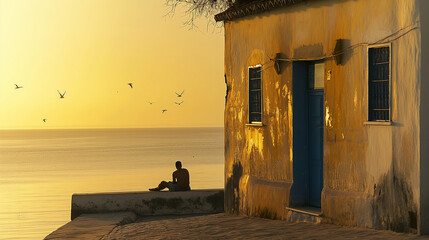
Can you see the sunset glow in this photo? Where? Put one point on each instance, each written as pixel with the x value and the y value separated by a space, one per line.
pixel 92 50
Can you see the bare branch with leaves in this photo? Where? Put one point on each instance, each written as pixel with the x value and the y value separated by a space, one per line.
pixel 195 9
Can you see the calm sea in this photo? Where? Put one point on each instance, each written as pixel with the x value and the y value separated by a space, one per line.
pixel 41 169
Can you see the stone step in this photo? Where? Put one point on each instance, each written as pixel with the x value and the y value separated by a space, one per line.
pixel 304 214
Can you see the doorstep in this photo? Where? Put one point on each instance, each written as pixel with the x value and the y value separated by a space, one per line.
pixel 304 214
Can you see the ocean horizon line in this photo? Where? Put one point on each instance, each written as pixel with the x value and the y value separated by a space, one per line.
pixel 108 128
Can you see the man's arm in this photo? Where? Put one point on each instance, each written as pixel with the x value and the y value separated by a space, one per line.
pixel 174 177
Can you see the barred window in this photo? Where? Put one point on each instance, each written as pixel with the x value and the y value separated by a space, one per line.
pixel 379 83
pixel 255 94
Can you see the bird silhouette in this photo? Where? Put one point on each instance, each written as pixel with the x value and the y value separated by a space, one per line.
pixel 178 103
pixel 44 120
pixel 179 95
pixel 62 95
pixel 164 110
pixel 131 85
pixel 150 102
pixel 17 87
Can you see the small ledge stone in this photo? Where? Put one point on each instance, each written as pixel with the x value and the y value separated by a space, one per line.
pixel 377 123
pixel 255 125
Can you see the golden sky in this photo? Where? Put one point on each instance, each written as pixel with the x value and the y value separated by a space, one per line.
pixel 92 49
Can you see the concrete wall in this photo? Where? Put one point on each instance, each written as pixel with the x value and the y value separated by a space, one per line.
pixel 149 203
pixel 371 172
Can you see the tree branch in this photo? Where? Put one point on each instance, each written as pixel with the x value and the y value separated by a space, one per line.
pixel 195 9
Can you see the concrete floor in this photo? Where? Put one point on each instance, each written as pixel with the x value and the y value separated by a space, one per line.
pixel 223 226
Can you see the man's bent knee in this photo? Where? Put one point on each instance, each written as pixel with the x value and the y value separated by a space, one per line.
pixel 163 184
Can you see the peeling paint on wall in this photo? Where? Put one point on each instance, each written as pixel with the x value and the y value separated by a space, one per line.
pixel 267 105
pixel 355 99
pixel 328 119
pixel 240 115
pixel 256 142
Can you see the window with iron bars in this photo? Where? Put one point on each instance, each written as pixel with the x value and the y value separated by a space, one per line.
pixel 255 94
pixel 379 83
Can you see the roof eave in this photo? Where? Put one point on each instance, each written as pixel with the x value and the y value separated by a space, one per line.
pixel 253 8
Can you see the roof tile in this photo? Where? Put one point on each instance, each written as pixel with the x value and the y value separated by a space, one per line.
pixel 245 8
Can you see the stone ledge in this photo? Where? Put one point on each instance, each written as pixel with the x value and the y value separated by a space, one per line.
pixel 149 203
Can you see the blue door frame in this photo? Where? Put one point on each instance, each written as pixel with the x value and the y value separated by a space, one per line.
pixel 308 130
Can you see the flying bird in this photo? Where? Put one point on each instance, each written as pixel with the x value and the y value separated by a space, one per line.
pixel 164 110
pixel 17 87
pixel 62 95
pixel 44 120
pixel 178 103
pixel 150 102
pixel 179 95
pixel 131 85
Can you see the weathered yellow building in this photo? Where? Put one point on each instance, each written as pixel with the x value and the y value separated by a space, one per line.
pixel 328 106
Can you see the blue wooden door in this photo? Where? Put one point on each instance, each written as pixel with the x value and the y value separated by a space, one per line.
pixel 315 144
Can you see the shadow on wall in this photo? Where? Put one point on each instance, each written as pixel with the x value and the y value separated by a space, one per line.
pixel 232 198
pixel 309 51
pixel 393 205
pixel 343 51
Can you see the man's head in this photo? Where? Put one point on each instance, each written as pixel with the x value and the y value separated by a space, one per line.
pixel 178 165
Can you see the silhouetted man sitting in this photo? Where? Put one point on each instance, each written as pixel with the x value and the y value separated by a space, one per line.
pixel 180 180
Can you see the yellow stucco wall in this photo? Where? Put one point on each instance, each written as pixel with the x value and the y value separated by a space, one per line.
pixel 371 172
